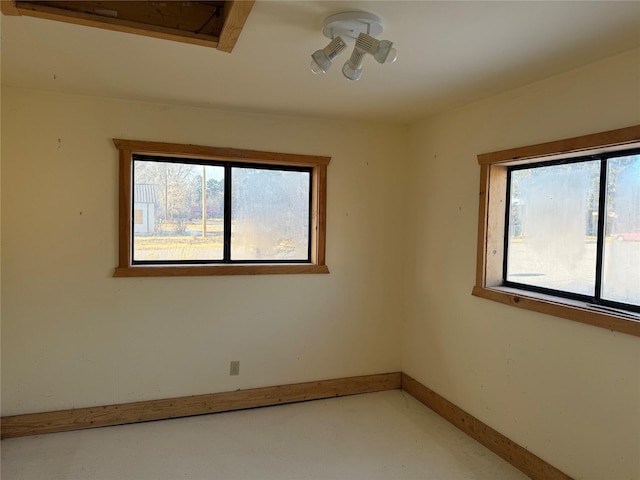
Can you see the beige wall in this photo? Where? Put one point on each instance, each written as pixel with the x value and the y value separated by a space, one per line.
pixel 73 336
pixel 568 392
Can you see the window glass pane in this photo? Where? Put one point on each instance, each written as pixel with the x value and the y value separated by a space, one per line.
pixel 171 220
pixel 553 218
pixel 269 214
pixel 621 262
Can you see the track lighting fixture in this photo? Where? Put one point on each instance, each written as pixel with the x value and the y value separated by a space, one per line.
pixel 361 27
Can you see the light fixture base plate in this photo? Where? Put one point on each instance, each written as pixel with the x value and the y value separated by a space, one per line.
pixel 349 25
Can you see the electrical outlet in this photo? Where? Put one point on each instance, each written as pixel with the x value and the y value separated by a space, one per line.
pixel 234 369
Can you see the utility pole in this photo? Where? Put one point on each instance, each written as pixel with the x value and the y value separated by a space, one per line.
pixel 204 204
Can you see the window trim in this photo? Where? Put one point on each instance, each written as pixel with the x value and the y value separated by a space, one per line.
pixel 491 225
pixel 318 165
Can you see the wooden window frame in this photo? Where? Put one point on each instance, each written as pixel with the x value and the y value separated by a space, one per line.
pixel 491 225
pixel 318 165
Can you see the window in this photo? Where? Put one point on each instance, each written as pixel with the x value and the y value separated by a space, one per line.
pixel 189 210
pixel 559 229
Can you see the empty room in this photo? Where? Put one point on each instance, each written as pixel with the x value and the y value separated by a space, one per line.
pixel 320 239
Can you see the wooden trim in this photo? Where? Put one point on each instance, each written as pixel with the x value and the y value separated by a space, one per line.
pixel 495 224
pixel 621 138
pixel 8 7
pixel 198 271
pixel 115 24
pixel 319 198
pixel 138 21
pixel 491 225
pixel 518 456
pixel 483 209
pixel 321 212
pixel 124 208
pixel 120 414
pixel 150 410
pixel 569 309
pixel 219 153
pixel 235 16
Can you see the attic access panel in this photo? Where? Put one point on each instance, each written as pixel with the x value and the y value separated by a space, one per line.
pixel 209 23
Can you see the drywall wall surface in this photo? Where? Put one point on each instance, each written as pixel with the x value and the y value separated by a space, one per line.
pixel 568 392
pixel 74 336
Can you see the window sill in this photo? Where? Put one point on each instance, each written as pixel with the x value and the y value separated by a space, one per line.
pixel 603 317
pixel 247 269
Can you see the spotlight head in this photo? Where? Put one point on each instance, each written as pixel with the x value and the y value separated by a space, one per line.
pixel 320 63
pixel 321 59
pixel 385 52
pixel 382 50
pixel 352 68
pixel 350 72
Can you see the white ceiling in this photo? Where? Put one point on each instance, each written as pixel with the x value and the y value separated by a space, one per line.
pixel 449 53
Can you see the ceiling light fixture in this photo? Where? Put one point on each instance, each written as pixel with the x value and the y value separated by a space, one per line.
pixel 361 27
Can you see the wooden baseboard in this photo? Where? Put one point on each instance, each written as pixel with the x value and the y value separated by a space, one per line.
pixel 518 456
pixel 109 415
pixel 80 418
